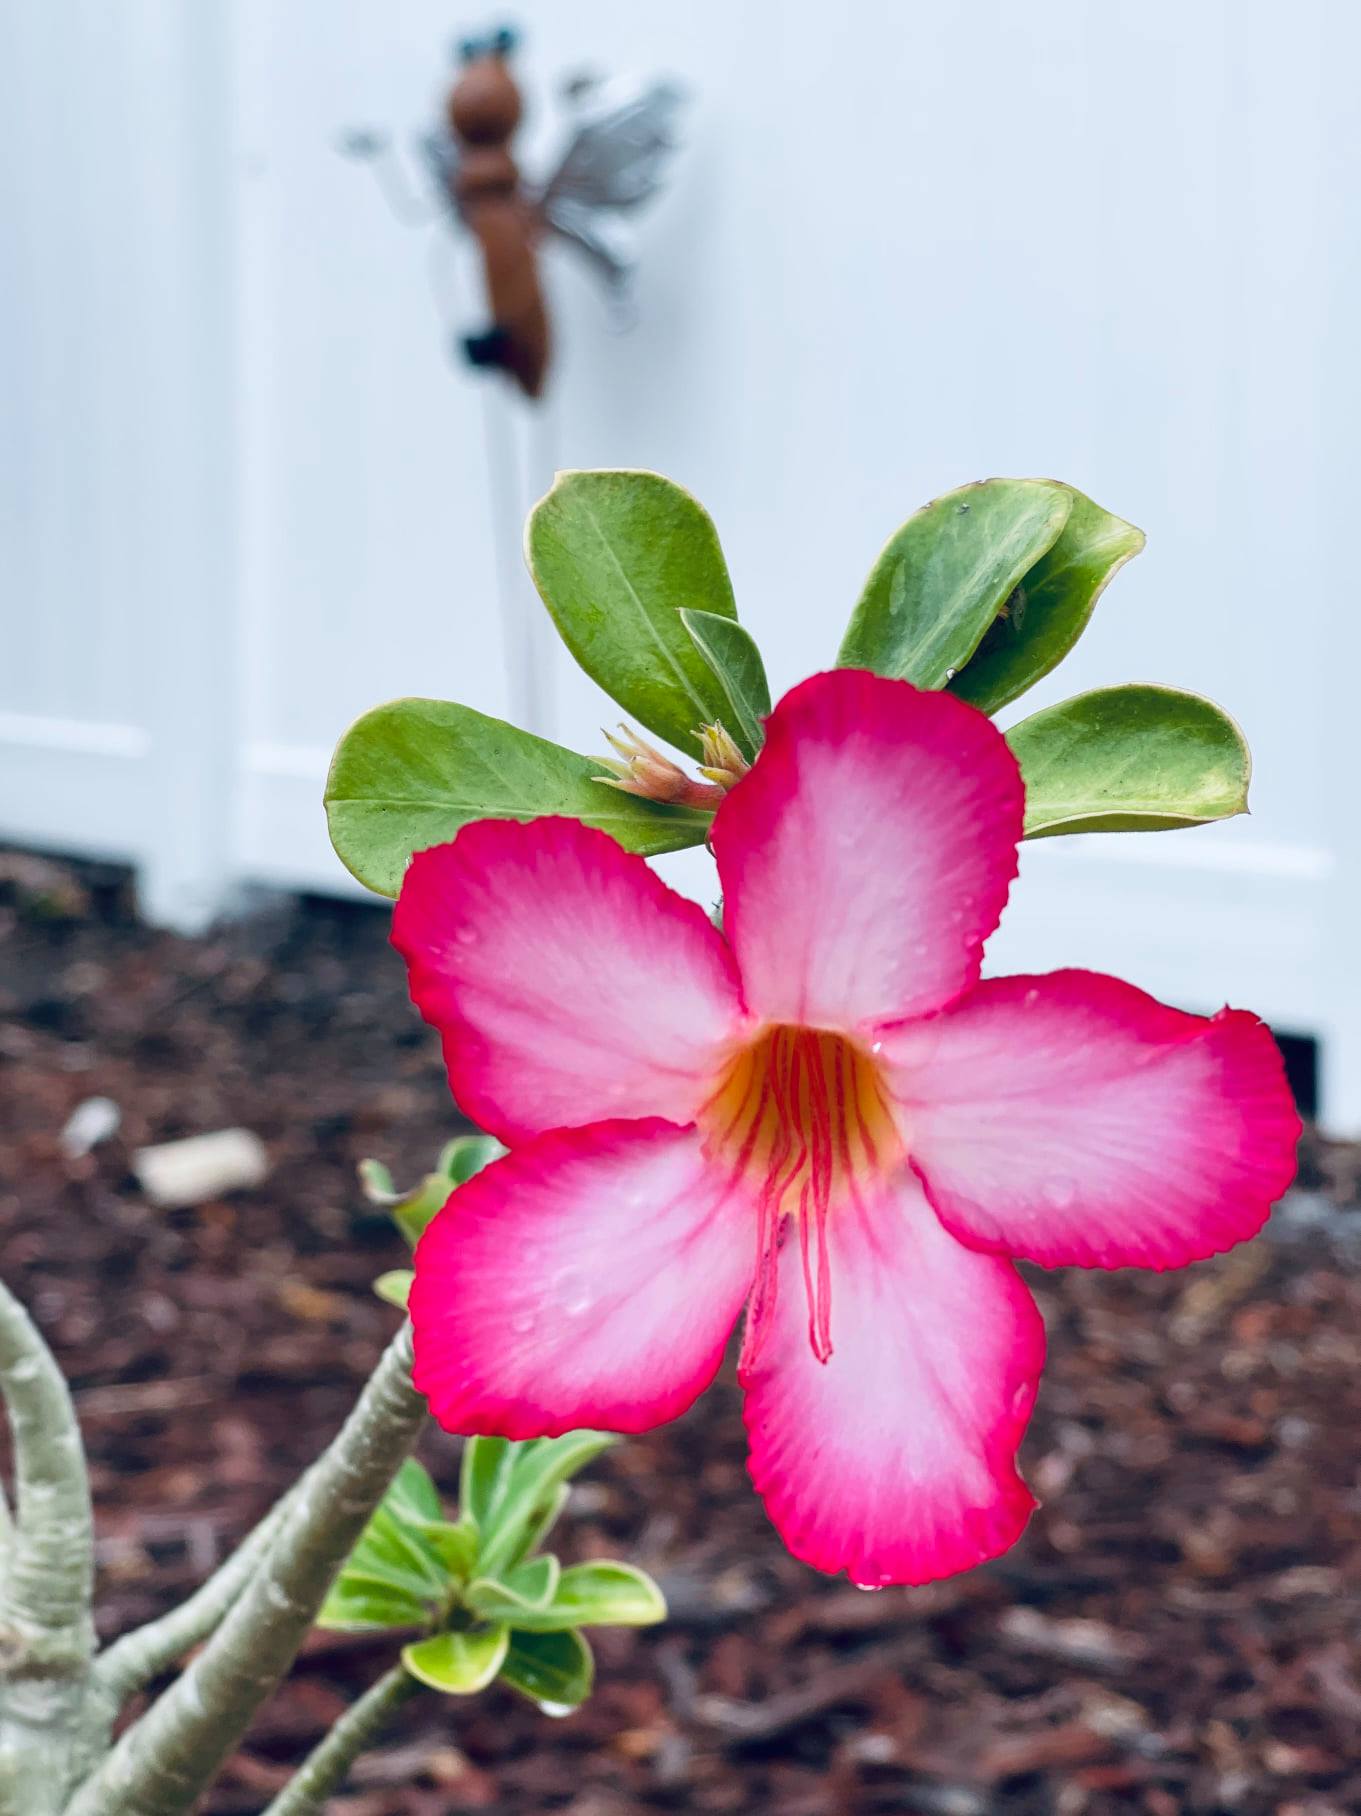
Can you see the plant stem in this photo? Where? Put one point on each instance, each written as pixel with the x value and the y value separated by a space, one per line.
pixel 325 1767
pixel 49 1561
pixel 162 1763
pixel 52 1722
pixel 131 1662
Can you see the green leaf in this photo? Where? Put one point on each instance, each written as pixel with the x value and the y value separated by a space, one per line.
pixel 604 1594
pixel 459 1160
pixel 537 1470
pixel 417 1211
pixel 1130 759
pixel 555 1670
pixel 1049 609
pixel 467 1154
pixel 413 1494
pixel 615 556
pixel 544 1518
pixel 455 1545
pixel 946 574
pixel 732 654
pixel 376 1183
pixel 459 1663
pixel 523 1591
pixel 360 1607
pixel 395 1286
pixel 392 1552
pixel 409 774
pixel 484 1475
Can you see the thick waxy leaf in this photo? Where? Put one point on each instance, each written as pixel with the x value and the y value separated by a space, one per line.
pixel 458 1663
pixel 946 574
pixel 395 1286
pixel 394 1577
pixel 413 1495
pixel 523 1592
pixel 377 1183
pixel 467 1154
pixel 410 774
pixel 413 1213
pixel 604 1594
pixel 359 1607
pixel 395 1552
pixel 732 654
pixel 1130 759
pixel 538 1470
pixel 615 557
pixel 1049 609
pixel 555 1670
pixel 454 1544
pixel 541 1523
pixel 484 1477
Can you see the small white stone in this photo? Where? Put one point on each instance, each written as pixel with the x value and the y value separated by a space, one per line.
pixel 202 1167
pixel 93 1121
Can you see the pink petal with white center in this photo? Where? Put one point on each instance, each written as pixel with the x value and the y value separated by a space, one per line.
pixel 895 1460
pixel 569 983
pixel 590 1278
pixel 1070 1118
pixel 868 854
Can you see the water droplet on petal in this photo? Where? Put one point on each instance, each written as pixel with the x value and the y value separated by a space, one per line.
pixel 466 936
pixel 1060 1194
pixel 1031 998
pixel 876 1046
pixel 522 1324
pixel 869 1588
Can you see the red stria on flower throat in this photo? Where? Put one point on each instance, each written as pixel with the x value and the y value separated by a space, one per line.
pixel 801 1120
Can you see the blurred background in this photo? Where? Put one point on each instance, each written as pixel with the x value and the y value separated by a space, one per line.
pixel 247 490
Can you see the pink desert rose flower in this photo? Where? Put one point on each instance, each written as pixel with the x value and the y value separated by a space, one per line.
pixel 821 1114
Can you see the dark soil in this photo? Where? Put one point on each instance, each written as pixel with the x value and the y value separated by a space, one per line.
pixel 1177 1631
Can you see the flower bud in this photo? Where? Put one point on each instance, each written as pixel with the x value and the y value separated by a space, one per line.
pixel 640 769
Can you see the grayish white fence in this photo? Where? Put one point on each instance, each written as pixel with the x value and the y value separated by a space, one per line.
pixel 246 495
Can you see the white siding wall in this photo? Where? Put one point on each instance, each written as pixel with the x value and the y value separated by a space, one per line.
pixel 244 494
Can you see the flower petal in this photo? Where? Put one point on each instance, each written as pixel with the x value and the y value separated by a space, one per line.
pixel 569 983
pixel 590 1278
pixel 895 1460
pixel 1070 1118
pixel 868 854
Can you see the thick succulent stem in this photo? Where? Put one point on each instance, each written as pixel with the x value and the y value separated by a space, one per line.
pixel 131 1662
pixel 49 1562
pixel 162 1763
pixel 324 1769
pixel 50 1723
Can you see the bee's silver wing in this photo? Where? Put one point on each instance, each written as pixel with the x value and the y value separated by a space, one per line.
pixel 622 140
pixel 439 153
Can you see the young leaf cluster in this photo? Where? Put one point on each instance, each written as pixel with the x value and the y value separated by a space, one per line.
pixel 480 1598
pixel 411 1211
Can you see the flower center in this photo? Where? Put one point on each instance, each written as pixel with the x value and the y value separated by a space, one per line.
pixel 801 1118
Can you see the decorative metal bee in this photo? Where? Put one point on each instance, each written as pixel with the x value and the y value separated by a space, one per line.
pixel 622 138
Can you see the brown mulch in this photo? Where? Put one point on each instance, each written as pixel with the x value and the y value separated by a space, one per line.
pixel 1177 1631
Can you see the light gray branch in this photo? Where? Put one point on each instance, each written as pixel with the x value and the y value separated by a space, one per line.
pixel 162 1763
pixel 131 1662
pixel 324 1769
pixel 48 1570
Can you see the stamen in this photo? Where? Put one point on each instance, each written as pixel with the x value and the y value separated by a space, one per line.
pixel 761 1305
pixel 801 1120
